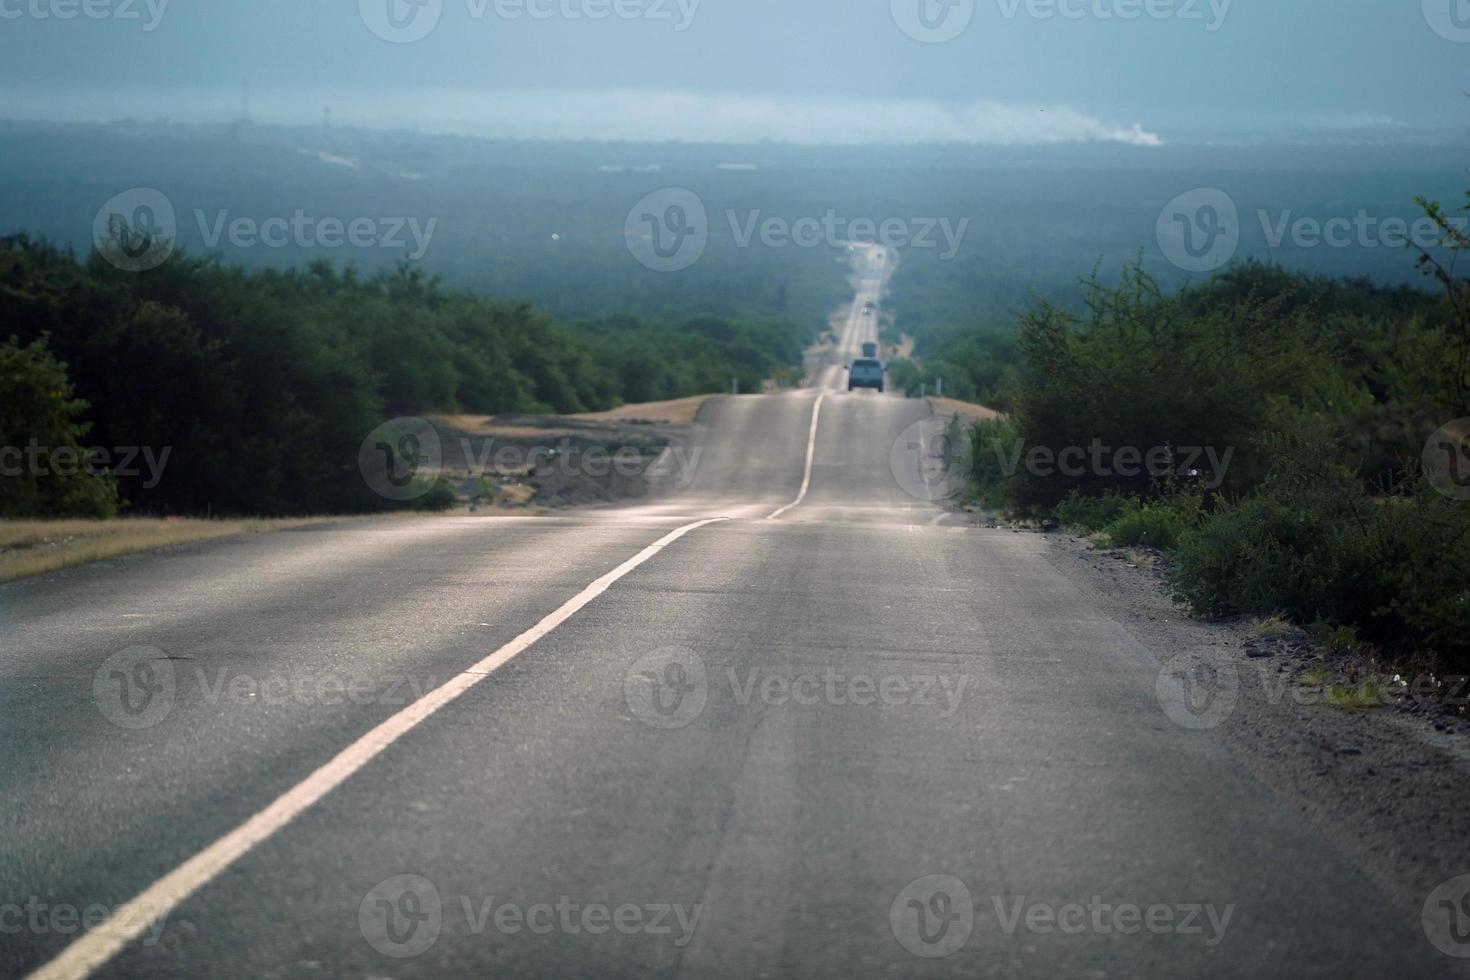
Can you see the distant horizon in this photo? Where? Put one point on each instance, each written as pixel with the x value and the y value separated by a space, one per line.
pixel 653 116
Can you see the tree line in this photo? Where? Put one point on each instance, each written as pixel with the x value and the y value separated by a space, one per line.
pixel 262 384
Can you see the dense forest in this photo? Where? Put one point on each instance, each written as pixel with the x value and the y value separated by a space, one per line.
pixel 262 384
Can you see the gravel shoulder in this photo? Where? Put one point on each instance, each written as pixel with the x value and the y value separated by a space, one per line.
pixel 1387 787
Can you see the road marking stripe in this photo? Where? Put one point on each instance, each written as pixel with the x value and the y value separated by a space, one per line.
pixel 131 920
pixel 811 452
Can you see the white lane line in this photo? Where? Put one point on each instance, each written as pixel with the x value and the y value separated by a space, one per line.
pixel 129 921
pixel 811 452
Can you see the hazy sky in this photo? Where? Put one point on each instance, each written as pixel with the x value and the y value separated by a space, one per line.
pixel 816 70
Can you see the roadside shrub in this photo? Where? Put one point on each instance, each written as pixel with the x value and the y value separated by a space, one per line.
pixel 38 413
pixel 1093 514
pixel 992 446
pixel 1139 375
pixel 1428 582
pixel 441 497
pixel 1313 544
pixel 1157 524
pixel 1304 544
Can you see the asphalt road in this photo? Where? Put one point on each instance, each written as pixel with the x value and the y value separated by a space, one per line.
pixel 847 740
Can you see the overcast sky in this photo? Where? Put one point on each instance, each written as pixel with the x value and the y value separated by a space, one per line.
pixel 1014 71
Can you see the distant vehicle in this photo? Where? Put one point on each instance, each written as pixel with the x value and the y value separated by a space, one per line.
pixel 869 307
pixel 870 350
pixel 866 372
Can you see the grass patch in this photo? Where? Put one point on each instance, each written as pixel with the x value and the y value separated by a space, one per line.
pixel 30 548
pixel 1141 559
pixel 1271 627
pixel 1363 696
pixel 1315 677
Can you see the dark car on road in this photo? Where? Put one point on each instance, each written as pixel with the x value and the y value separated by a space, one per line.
pixel 866 372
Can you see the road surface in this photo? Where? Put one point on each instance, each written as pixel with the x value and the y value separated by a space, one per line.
pixel 826 735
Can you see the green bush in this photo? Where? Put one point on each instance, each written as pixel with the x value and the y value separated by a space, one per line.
pixel 263 384
pixel 1164 379
pixel 441 497
pixel 1093 514
pixel 993 444
pixel 1313 544
pixel 1156 524
pixel 43 467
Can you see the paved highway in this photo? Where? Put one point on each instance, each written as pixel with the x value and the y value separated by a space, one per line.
pixel 825 734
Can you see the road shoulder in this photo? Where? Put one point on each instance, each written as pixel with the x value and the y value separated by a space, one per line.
pixel 1385 787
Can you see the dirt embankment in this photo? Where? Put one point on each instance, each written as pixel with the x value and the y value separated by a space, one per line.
pixel 554 461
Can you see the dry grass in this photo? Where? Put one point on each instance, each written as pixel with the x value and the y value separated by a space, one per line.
pixel 679 411
pixel 36 547
pixel 486 426
pixel 1271 627
pixel 515 494
pixel 971 411
pixel 1141 559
